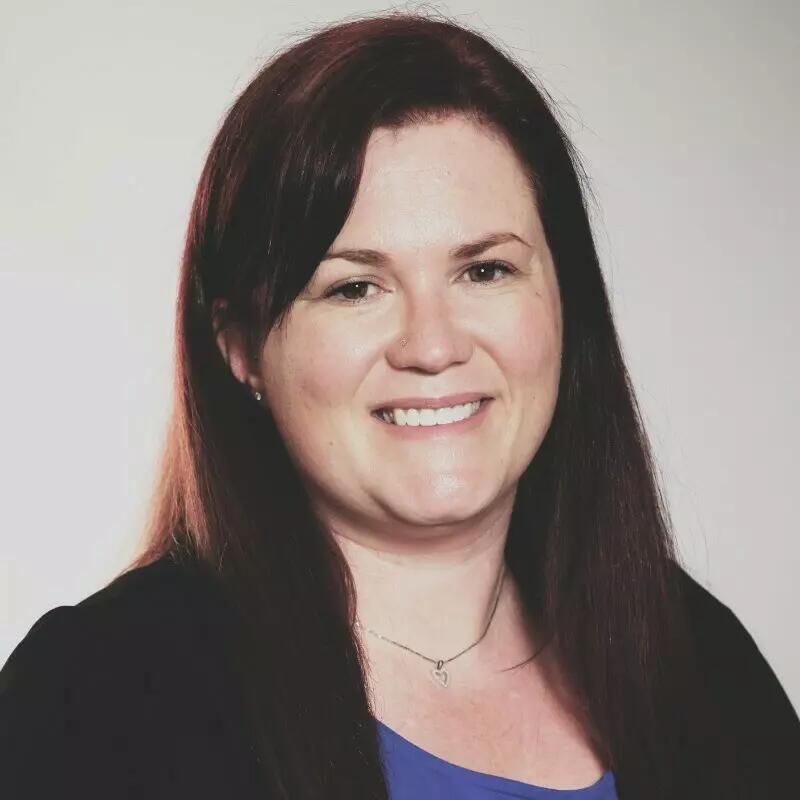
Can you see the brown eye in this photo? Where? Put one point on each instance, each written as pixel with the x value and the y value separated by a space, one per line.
pixel 487 268
pixel 347 288
pixel 354 292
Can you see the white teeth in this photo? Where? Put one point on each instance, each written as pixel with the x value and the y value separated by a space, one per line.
pixel 427 417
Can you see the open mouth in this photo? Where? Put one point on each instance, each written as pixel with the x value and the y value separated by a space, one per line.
pixel 429 417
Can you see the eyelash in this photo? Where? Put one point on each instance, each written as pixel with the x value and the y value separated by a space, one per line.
pixel 333 292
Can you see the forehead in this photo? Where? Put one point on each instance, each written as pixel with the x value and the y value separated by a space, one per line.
pixel 448 179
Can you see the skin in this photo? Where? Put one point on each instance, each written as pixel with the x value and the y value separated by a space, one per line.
pixel 423 523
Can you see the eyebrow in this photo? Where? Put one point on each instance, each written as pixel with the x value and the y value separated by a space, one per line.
pixel 376 258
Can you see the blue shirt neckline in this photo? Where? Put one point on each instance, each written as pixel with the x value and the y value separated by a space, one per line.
pixel 597 789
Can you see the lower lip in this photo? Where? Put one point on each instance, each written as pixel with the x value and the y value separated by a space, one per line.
pixel 437 431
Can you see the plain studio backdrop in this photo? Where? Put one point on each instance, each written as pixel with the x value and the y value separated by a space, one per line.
pixel 687 118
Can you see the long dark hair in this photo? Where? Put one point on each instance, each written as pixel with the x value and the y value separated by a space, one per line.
pixel 589 545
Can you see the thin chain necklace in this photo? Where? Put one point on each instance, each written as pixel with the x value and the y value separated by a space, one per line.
pixel 438 671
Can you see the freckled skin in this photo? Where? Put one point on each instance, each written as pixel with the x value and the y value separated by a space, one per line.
pixel 399 507
pixel 423 522
pixel 424 190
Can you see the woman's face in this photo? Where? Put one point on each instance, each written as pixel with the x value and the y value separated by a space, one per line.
pixel 424 191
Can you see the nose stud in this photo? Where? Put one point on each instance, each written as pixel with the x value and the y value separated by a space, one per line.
pixel 403 342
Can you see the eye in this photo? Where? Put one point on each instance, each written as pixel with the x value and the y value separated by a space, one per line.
pixel 337 291
pixel 357 286
pixel 491 266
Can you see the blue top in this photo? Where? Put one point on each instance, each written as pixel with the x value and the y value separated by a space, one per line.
pixel 414 773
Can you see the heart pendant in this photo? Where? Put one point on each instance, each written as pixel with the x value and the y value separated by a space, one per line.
pixel 440 675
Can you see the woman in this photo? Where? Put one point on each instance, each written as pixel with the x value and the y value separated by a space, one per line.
pixel 347 593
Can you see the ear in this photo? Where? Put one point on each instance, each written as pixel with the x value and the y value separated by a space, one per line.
pixel 230 341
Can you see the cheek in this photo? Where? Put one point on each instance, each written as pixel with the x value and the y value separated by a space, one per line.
pixel 303 384
pixel 531 363
pixel 529 336
pixel 318 370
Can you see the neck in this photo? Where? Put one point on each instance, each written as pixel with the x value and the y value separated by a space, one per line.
pixel 438 600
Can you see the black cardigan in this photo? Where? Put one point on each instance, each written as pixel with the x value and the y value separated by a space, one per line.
pixel 129 694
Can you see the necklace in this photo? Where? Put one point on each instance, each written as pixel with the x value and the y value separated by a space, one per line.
pixel 438 671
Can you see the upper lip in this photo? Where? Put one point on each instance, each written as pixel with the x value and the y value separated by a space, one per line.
pixel 431 402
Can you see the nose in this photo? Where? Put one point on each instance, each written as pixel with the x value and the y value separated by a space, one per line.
pixel 431 340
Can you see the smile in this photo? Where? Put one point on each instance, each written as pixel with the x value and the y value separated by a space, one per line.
pixel 428 417
pixel 419 420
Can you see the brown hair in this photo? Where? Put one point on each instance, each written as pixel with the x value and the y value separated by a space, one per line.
pixel 589 543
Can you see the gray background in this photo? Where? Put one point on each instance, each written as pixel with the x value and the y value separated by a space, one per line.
pixel 686 114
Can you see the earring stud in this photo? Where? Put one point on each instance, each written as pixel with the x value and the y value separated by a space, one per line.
pixel 257 395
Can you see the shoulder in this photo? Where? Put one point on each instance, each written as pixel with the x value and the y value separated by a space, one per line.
pixel 147 612
pixel 721 639
pixel 120 687
pixel 725 649
pixel 715 627
pixel 753 707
